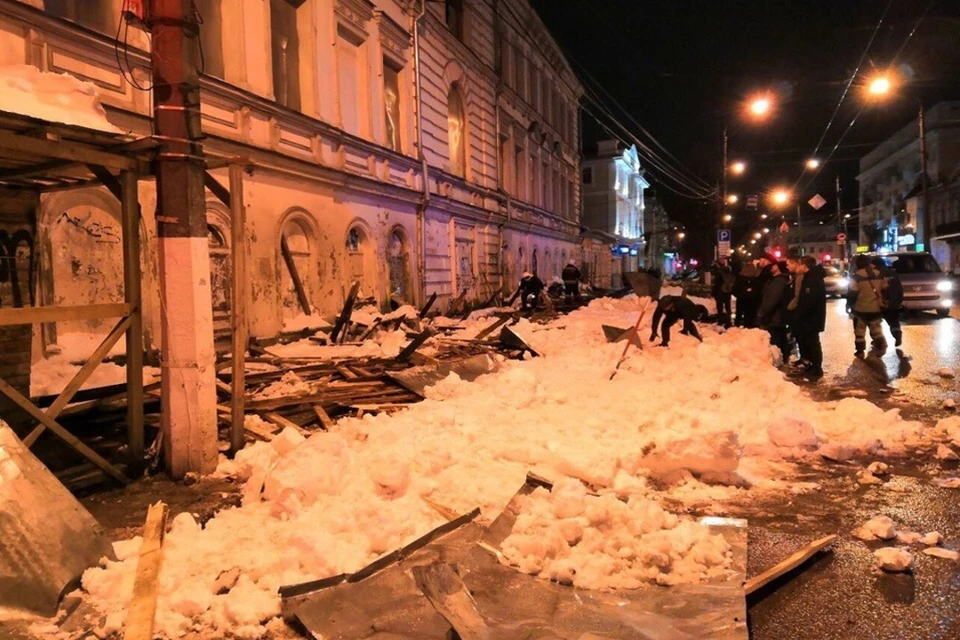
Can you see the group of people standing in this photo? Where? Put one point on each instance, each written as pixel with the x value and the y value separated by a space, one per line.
pixel 788 298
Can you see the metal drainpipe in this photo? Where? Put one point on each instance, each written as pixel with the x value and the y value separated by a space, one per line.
pixel 499 160
pixel 425 201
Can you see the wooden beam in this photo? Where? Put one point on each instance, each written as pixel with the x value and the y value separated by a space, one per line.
pixel 294 275
pixel 415 344
pixel 325 420
pixel 40 315
pixel 344 317
pixel 143 607
pixel 238 309
pixel 80 377
pixel 217 189
pixel 130 209
pixel 283 423
pixel 426 307
pixel 108 180
pixel 789 564
pixel 73 151
pixel 62 433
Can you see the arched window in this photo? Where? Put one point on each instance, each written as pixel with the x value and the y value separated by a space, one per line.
pixel 296 247
pixel 456 133
pixel 534 265
pixel 219 279
pixel 397 261
pixel 360 260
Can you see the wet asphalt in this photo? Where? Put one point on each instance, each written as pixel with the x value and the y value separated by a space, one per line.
pixel 839 594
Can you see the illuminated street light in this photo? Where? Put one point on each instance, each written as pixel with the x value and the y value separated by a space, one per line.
pixel 757 235
pixel 732 198
pixel 813 163
pixel 766 229
pixel 781 196
pixel 737 168
pixel 753 242
pixel 760 106
pixel 879 85
pixel 763 216
pixel 727 218
pixel 846 216
pixel 681 235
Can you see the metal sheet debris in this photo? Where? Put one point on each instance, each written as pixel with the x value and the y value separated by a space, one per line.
pixel 453 582
pixel 47 538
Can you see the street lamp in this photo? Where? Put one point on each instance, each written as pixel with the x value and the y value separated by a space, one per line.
pixel 732 198
pixel 760 106
pixel 727 218
pixel 757 235
pixel 766 229
pixel 681 235
pixel 781 196
pixel 813 163
pixel 737 168
pixel 880 85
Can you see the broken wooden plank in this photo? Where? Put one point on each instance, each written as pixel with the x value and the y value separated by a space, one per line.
pixel 259 431
pixel 426 307
pixel 455 304
pixel 493 327
pixel 143 607
pixel 369 332
pixel 325 420
pixel 282 422
pixel 294 275
pixel 345 313
pixel 789 564
pixel 415 344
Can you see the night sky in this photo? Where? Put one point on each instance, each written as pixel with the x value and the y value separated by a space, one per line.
pixel 683 68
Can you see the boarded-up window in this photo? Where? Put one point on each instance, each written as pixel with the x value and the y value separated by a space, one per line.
pixel 285 47
pixel 299 242
pixel 535 265
pixel 351 74
pixel 391 104
pixel 398 261
pixel 466 260
pixel 456 133
pixel 211 36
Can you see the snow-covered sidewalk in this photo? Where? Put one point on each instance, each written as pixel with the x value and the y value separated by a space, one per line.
pixel 694 423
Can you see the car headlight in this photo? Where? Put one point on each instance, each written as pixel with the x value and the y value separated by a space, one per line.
pixel 944 285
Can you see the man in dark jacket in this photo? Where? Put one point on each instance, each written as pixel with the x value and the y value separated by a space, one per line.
pixel 772 313
pixel 571 280
pixel 894 298
pixel 672 309
pixel 747 291
pixel 722 289
pixel 530 288
pixel 810 317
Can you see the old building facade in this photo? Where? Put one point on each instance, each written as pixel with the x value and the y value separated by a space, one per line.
pixel 613 186
pixel 891 215
pixel 415 147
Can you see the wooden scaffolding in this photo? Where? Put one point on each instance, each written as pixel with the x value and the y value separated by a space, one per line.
pixel 37 157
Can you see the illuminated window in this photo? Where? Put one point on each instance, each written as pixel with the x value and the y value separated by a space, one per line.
pixel 391 104
pixel 285 48
pixel 456 133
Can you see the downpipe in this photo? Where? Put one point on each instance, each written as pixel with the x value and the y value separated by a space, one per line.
pixel 425 198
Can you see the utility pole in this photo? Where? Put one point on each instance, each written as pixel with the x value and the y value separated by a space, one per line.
pixel 922 220
pixel 840 220
pixel 188 418
pixel 800 229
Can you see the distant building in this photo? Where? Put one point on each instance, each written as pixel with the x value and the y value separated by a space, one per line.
pixel 613 200
pixel 891 215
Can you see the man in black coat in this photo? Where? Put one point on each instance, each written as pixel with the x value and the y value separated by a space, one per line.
pixel 571 280
pixel 772 314
pixel 747 291
pixel 672 309
pixel 810 317
pixel 530 289
pixel 722 289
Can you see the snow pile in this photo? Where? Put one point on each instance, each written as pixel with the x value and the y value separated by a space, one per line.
pixel 384 344
pixel 336 501
pixel 56 97
pixel 289 385
pixel 878 528
pixel 893 559
pixel 49 376
pixel 304 322
pixel 601 542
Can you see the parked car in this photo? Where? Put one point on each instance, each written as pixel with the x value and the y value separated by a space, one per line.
pixel 925 286
pixel 837 282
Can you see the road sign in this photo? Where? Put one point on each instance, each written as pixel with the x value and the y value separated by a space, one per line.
pixel 723 235
pixel 752 202
pixel 841 238
pixel 723 249
pixel 784 227
pixel 816 201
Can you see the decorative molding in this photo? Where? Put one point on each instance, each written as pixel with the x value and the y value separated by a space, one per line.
pixel 355 13
pixel 393 37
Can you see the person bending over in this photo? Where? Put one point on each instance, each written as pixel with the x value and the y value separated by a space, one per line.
pixel 673 309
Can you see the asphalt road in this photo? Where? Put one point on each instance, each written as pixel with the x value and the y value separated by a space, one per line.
pixel 909 377
pixel 840 595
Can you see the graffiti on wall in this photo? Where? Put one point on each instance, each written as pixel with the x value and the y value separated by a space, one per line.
pixel 16 268
pixel 100 231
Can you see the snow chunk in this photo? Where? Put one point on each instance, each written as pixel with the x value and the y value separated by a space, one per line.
pixel 792 432
pixel 864 476
pixel 908 537
pixel 946 453
pixel 946 554
pixel 893 559
pixel 948 483
pixel 601 542
pixel 878 528
pixel 57 97
pixel 931 539
pixel 289 385
pixel 950 404
pixel 946 372
pixel 836 451
pixel 878 468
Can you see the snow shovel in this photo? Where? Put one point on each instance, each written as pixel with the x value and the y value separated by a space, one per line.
pixel 633 337
pixel 648 288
